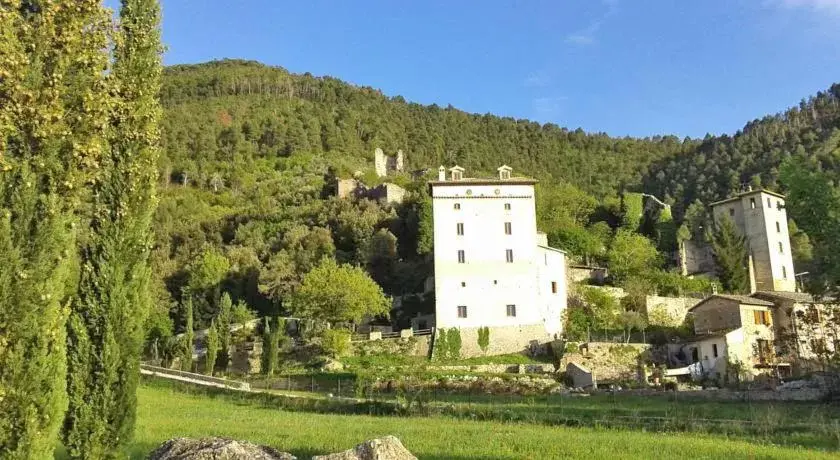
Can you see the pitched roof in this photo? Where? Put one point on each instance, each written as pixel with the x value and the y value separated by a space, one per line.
pixel 741 299
pixel 794 296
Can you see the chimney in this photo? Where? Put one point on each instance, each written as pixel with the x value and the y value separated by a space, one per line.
pixel 441 174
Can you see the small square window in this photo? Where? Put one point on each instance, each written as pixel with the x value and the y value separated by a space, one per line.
pixel 462 311
pixel 461 258
pixel 752 203
pixel 495 281
pixel 509 255
pixel 459 228
pixel 769 205
pixel 778 228
pixel 507 228
pixel 731 212
pixel 507 206
pixel 554 287
pixel 457 206
pixel 511 310
pixel 463 284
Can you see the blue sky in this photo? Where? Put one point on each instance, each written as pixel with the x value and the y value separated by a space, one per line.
pixel 625 67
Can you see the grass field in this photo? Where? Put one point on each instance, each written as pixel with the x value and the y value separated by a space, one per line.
pixel 166 412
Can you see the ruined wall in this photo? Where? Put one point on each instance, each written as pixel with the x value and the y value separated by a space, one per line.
pixel 614 362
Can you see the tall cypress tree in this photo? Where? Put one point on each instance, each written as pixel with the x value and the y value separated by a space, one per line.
pixel 731 256
pixel 105 330
pixel 223 324
pixel 52 112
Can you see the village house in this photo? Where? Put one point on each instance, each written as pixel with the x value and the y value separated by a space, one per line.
pixel 491 266
pixel 774 329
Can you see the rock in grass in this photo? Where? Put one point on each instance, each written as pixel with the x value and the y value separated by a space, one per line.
pixel 215 449
pixel 387 448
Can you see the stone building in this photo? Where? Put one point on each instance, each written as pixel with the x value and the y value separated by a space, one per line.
pixel 767 332
pixel 760 216
pixel 492 268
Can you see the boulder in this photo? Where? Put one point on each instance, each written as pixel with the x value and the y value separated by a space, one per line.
pixel 387 448
pixel 215 449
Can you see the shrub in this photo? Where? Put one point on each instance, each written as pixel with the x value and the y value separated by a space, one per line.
pixel 335 342
pixel 440 348
pixel 453 339
pixel 483 338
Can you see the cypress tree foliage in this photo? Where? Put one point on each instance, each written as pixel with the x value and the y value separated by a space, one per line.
pixel 731 257
pixel 223 322
pixel 271 350
pixel 52 114
pixel 212 348
pixel 105 333
pixel 188 338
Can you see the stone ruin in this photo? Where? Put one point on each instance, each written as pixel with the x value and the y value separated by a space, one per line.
pixel 386 164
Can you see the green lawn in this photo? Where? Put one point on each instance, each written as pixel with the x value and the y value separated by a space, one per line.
pixel 167 412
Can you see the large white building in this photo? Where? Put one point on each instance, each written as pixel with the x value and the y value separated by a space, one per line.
pixel 492 268
pixel 760 216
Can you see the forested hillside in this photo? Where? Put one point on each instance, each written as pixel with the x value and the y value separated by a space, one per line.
pixel 720 165
pixel 250 150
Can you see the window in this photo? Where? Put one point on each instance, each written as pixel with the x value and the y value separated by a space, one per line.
pixel 779 204
pixel 457 206
pixel 507 206
pixel 781 248
pixel 778 228
pixel 495 281
pixel 752 203
pixel 768 204
pixel 462 311
pixel 784 272
pixel 459 228
pixel 714 350
pixel 460 256
pixel 463 284
pixel 509 255
pixel 511 310
pixel 504 175
pixel 554 287
pixel 731 212
pixel 457 175
pixel 507 228
pixel 761 317
pixel 763 350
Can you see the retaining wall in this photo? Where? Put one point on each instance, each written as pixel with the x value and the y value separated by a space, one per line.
pixel 505 340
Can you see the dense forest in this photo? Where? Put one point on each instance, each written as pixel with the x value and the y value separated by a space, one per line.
pixel 250 152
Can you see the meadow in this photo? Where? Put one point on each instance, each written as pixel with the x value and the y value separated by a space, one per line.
pixel 167 411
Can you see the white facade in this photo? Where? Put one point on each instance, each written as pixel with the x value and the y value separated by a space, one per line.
pixel 490 267
pixel 760 216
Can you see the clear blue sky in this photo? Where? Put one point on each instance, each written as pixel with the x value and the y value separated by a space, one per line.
pixel 625 67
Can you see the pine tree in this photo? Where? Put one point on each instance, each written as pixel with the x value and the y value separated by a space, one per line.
pixel 52 113
pixel 731 257
pixel 107 318
pixel 212 348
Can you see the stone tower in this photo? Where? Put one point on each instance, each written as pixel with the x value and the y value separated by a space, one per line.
pixel 760 216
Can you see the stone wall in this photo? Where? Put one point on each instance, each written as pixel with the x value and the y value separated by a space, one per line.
pixel 579 273
pixel 411 346
pixel 668 311
pixel 505 340
pixel 580 376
